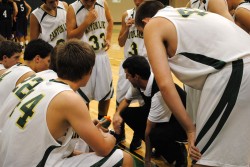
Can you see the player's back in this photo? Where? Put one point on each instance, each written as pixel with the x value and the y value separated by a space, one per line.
pixel 21 90
pixel 9 79
pixel 205 43
pixel 5 10
pixel 27 124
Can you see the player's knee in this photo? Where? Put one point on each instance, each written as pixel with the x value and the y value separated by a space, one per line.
pixel 127 160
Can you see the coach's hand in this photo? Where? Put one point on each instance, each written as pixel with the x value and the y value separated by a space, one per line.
pixel 117 122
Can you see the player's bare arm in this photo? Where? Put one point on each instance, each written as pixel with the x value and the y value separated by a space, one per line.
pixel 123 35
pixel 110 25
pixel 220 7
pixel 28 9
pixel 158 57
pixel 242 16
pixel 77 32
pixel 75 113
pixel 149 127
pixel 35 28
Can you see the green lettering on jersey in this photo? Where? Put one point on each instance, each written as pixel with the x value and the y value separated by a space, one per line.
pixel 187 12
pixel 22 91
pixel 28 110
pixel 98 41
pixel 134 49
pixel 3 75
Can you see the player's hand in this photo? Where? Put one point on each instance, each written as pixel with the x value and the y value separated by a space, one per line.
pixel 92 15
pixel 117 122
pixel 107 44
pixel 98 124
pixel 130 22
pixel 193 151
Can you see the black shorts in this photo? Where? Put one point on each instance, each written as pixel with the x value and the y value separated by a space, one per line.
pixel 6 28
pixel 21 27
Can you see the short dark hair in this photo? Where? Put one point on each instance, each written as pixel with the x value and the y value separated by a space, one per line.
pixel 146 9
pixel 37 47
pixel 9 48
pixel 75 59
pixel 137 65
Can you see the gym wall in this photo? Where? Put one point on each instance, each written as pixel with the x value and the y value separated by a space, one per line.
pixel 117 7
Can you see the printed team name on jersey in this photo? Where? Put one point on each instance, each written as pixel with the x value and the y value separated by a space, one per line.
pixel 135 34
pixel 95 26
pixel 60 29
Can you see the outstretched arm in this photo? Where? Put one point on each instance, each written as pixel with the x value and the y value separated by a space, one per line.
pixel 150 126
pixel 160 44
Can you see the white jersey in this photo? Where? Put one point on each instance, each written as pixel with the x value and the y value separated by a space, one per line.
pixel 95 34
pixel 135 43
pixel 27 124
pixel 214 57
pixel 200 4
pixel 244 5
pixel 100 84
pixel 220 69
pixel 2 67
pixel 193 95
pixel 21 91
pixel 53 28
pixel 9 79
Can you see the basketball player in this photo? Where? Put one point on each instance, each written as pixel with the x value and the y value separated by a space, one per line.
pixel 48 22
pixel 45 109
pixel 215 6
pixel 222 75
pixel 36 59
pixel 8 12
pixel 10 53
pixel 22 17
pixel 23 88
pixel 91 21
pixel 132 40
